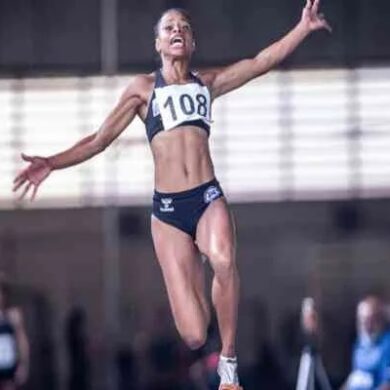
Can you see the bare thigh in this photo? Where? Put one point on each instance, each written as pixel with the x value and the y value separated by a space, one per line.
pixel 216 235
pixel 183 274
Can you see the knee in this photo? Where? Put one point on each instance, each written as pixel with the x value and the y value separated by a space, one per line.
pixel 223 261
pixel 194 340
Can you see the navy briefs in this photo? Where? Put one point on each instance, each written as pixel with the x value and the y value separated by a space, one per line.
pixel 184 209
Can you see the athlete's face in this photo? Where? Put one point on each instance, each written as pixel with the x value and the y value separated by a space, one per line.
pixel 175 37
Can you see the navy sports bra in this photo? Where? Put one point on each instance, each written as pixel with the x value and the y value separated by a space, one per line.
pixel 178 104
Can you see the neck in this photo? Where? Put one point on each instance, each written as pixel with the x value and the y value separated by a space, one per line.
pixel 175 70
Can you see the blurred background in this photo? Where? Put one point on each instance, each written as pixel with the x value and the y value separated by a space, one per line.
pixel 302 154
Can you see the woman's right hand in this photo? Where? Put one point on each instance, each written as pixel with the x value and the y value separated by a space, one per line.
pixel 32 176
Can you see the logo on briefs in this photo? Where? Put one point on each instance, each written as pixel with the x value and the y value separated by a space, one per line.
pixel 211 193
pixel 166 205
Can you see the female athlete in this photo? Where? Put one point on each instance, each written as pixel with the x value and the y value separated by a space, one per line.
pixel 190 214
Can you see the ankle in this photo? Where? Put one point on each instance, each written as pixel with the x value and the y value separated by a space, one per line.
pixel 228 352
pixel 228 358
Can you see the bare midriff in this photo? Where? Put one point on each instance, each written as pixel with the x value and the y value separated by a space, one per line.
pixel 181 158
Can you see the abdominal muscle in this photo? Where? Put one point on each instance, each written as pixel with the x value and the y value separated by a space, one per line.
pixel 181 158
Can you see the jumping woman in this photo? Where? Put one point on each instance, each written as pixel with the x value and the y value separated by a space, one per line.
pixel 190 214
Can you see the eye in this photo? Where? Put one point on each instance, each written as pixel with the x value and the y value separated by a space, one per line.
pixel 168 27
pixel 186 27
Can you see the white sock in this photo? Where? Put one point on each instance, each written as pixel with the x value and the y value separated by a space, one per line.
pixel 227 370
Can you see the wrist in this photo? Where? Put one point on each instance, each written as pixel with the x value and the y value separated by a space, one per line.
pixel 50 163
pixel 304 28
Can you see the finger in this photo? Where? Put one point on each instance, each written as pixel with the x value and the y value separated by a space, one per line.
pixel 308 4
pixel 34 193
pixel 316 5
pixel 27 158
pixel 20 175
pixel 18 184
pixel 327 26
pixel 26 188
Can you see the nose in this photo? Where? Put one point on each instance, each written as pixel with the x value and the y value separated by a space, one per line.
pixel 177 28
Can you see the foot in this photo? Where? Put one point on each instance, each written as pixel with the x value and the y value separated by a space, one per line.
pixel 227 370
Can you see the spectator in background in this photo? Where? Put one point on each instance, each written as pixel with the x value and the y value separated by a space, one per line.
pixel 14 346
pixel 310 323
pixel 166 357
pixel 77 345
pixel 371 353
pixel 311 369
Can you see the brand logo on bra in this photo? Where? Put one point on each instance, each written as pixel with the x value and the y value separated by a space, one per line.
pixel 211 193
pixel 166 205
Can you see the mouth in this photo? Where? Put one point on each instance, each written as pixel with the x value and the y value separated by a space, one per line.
pixel 177 41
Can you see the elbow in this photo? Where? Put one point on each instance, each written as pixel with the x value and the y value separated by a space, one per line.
pixel 102 139
pixel 270 61
pixel 98 145
pixel 264 63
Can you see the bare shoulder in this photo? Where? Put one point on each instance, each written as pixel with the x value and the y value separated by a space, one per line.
pixel 140 85
pixel 208 75
pixel 144 80
pixel 15 315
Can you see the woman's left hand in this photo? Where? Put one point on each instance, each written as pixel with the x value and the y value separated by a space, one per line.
pixel 312 19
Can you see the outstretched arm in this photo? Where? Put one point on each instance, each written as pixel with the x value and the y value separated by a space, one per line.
pixel 40 167
pixel 226 79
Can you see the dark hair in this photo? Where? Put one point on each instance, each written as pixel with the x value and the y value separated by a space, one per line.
pixel 181 11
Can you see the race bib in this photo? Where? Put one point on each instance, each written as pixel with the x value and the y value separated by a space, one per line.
pixel 360 380
pixel 182 103
pixel 7 351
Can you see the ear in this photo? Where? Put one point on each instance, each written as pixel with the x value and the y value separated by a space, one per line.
pixel 157 45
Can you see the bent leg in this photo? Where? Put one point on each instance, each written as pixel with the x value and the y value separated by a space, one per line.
pixel 184 279
pixel 216 238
